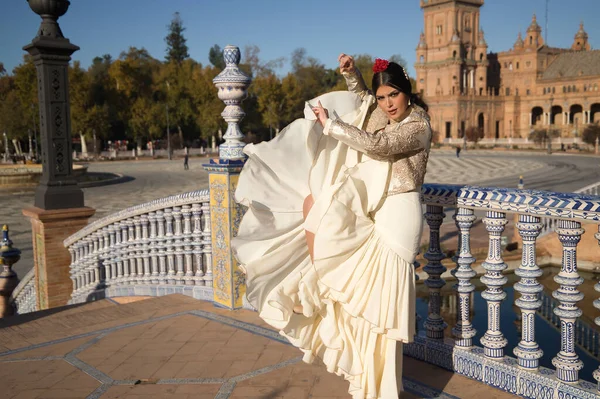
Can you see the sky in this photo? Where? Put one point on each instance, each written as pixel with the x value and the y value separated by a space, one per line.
pixel 325 28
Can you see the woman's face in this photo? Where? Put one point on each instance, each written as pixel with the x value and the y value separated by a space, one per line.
pixel 392 101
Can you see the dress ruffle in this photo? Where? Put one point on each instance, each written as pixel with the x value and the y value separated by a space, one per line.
pixel 357 296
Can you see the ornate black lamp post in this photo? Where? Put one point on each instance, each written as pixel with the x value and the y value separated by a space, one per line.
pixel 51 53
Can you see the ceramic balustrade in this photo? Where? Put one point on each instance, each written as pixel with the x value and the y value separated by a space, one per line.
pixel 523 375
pixel 164 243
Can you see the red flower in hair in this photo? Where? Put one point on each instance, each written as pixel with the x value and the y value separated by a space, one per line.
pixel 380 65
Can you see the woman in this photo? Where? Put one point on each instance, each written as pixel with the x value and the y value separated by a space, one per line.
pixel 333 226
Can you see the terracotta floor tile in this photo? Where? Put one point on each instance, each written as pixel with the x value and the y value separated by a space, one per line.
pixel 199 389
pixel 168 369
pixel 239 368
pixel 27 394
pixel 259 391
pixel 195 369
pixel 60 349
pixel 277 377
pixel 135 369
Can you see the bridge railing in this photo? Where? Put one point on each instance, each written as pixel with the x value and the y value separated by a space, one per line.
pixel 490 362
pixel 160 247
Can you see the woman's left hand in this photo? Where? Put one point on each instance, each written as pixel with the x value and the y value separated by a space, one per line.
pixel 321 113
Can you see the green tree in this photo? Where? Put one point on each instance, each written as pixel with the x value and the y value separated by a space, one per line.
pixel 25 79
pixel 177 50
pixel 2 70
pixel 12 118
pixel 270 101
pixel 207 105
pixel 590 134
pixel 133 76
pixel 215 57
pixel 474 134
pixel 540 136
pixel 87 116
pixel 173 83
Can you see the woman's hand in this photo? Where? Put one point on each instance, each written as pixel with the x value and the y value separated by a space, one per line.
pixel 346 63
pixel 321 113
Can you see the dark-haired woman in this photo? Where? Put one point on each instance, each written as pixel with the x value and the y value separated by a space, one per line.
pixel 334 224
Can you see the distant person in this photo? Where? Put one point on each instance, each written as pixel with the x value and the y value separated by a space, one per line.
pixel 185 162
pixel 458 151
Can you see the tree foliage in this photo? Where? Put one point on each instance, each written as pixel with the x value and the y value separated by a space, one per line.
pixel 540 136
pixel 474 134
pixel 215 57
pixel 177 50
pixel 590 134
pixel 128 98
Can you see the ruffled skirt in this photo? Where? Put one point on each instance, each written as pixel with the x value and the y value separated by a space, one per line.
pixel 358 296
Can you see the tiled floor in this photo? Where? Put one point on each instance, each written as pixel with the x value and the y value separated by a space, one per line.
pixel 177 347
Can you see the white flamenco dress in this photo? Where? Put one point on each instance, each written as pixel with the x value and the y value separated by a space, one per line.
pixel 358 297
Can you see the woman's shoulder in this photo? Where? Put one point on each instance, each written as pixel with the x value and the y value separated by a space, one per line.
pixel 418 113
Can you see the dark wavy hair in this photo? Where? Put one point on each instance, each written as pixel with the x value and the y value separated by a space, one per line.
pixel 395 76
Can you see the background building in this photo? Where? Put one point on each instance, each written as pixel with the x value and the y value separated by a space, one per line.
pixel 506 94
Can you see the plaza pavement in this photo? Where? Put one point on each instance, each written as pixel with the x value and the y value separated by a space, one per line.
pixel 154 179
pixel 176 347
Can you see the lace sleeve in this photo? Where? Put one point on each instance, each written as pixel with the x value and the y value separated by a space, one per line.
pixel 386 144
pixel 356 83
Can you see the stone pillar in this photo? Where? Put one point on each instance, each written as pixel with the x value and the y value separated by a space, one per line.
pixel 51 54
pixel 49 229
pixel 58 208
pixel 225 215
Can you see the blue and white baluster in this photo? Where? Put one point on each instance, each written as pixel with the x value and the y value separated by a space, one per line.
pixel 145 248
pixel 139 253
pixel 528 352
pixel 169 241
pixel 463 331
pixel 153 245
pixel 178 245
pixel 197 240
pixel 494 341
pixel 131 252
pixel 186 211
pixel 160 244
pixel 567 362
pixel 112 255
pixel 207 234
pixel 597 306
pixel 435 324
pixel 105 257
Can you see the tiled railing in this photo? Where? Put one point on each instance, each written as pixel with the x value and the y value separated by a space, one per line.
pixel 157 248
pixel 24 298
pixel 490 363
pixel 549 224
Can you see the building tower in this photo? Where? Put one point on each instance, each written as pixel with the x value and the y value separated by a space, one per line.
pixel 581 40
pixel 534 35
pixel 452 52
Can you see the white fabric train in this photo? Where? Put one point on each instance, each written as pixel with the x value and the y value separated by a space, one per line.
pixel 358 297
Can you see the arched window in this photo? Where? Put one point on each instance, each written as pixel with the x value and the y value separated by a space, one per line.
pixel 481 57
pixel 530 40
pixel 422 59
